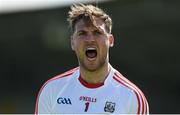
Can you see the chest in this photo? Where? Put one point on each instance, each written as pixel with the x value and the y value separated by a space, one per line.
pixel 81 100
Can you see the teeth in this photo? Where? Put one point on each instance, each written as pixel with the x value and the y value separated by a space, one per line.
pixel 91 48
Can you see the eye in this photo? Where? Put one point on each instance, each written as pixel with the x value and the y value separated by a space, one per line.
pixel 97 32
pixel 81 33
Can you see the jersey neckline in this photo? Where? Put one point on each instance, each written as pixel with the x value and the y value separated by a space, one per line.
pixel 89 85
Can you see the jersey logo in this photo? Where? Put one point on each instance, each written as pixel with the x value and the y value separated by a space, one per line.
pixel 88 99
pixel 109 107
pixel 62 100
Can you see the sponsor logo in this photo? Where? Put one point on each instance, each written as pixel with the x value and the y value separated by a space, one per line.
pixel 109 107
pixel 88 99
pixel 62 100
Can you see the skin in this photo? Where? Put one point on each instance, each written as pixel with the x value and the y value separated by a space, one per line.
pixel 92 70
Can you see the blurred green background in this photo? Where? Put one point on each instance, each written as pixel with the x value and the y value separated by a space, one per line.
pixel 35 46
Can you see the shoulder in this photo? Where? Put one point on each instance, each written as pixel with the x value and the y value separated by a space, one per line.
pixel 56 82
pixel 60 77
pixel 51 87
pixel 137 95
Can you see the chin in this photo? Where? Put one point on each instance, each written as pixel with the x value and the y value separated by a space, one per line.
pixel 89 67
pixel 92 67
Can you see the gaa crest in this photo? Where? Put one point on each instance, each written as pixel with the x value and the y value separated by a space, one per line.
pixel 109 107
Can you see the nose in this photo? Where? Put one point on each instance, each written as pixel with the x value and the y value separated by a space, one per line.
pixel 90 38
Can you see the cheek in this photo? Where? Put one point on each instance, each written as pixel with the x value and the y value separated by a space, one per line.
pixel 78 47
pixel 76 44
pixel 104 45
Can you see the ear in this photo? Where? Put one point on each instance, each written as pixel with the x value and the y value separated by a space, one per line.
pixel 72 43
pixel 111 40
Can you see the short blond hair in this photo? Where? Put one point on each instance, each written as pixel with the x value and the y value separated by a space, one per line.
pixel 81 11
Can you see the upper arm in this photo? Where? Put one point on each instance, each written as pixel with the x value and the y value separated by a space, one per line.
pixel 43 101
pixel 138 103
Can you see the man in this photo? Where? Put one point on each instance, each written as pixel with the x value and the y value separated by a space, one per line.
pixel 95 86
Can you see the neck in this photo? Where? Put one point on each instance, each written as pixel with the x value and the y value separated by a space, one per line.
pixel 97 76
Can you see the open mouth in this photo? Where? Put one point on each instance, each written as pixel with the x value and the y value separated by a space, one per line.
pixel 91 53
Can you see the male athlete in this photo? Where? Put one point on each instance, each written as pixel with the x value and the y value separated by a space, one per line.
pixel 94 87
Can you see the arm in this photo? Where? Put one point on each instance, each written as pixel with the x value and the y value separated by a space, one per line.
pixel 138 103
pixel 43 101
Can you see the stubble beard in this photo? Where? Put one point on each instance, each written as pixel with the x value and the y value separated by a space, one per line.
pixel 100 63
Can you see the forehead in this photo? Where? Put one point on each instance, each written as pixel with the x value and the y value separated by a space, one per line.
pixel 88 24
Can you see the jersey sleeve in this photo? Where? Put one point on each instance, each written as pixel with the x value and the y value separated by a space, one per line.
pixel 138 103
pixel 43 102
